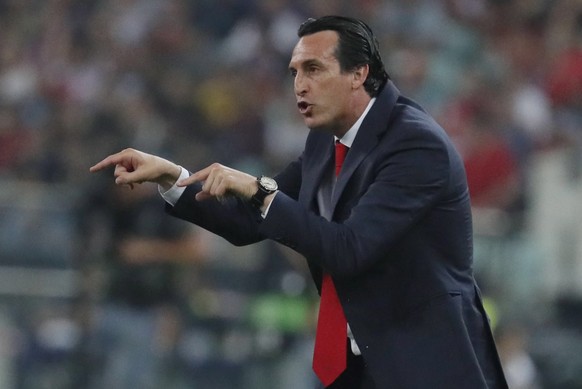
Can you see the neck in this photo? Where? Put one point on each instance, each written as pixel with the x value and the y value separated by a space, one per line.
pixel 358 105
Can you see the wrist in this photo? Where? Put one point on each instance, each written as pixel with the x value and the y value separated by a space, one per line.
pixel 169 178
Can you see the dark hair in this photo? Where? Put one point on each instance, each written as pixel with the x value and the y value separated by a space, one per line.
pixel 357 46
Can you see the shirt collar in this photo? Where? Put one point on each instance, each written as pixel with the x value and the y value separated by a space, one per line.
pixel 349 136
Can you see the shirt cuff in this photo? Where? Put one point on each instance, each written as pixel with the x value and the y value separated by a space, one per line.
pixel 264 214
pixel 172 195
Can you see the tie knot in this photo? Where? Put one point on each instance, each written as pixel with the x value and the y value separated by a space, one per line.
pixel 340 155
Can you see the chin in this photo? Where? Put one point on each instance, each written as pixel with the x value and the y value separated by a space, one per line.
pixel 315 125
pixel 320 127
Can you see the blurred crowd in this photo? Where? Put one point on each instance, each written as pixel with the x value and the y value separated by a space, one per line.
pixel 152 302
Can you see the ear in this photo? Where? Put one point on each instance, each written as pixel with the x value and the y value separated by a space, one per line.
pixel 360 75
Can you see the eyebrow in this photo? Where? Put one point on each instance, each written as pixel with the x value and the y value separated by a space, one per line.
pixel 307 62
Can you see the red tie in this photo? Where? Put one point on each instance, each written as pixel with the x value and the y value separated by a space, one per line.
pixel 329 356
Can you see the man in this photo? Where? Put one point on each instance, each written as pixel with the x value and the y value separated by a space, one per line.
pixel 387 235
pixel 131 330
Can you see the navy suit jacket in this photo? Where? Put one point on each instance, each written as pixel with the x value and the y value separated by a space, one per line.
pixel 399 245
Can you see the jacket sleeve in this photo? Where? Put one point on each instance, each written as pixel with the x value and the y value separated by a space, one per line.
pixel 232 218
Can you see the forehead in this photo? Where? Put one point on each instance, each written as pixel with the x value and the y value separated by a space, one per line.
pixel 318 46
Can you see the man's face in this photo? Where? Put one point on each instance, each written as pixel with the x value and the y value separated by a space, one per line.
pixel 322 91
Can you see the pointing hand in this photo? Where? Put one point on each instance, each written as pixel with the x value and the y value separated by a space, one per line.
pixel 135 167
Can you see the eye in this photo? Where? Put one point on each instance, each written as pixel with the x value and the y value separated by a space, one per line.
pixel 313 69
pixel 293 72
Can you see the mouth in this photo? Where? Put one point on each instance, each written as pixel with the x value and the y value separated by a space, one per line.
pixel 304 107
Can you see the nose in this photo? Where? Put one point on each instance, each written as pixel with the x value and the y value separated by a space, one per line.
pixel 300 84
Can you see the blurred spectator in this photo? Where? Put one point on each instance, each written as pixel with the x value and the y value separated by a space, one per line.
pixel 565 76
pixel 564 88
pixel 493 170
pixel 519 367
pixel 136 317
pixel 14 142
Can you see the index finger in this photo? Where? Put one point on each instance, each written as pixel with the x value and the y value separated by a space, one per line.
pixel 113 159
pixel 200 175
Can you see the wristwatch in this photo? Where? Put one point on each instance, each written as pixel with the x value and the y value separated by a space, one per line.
pixel 266 186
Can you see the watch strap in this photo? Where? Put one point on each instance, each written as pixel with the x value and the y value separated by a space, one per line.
pixel 258 198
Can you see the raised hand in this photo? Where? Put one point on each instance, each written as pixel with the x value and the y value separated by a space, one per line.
pixel 135 167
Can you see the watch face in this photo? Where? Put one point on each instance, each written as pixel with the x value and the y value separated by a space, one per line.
pixel 268 183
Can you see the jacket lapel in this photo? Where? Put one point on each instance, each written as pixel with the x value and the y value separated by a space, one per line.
pixel 373 127
pixel 318 161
